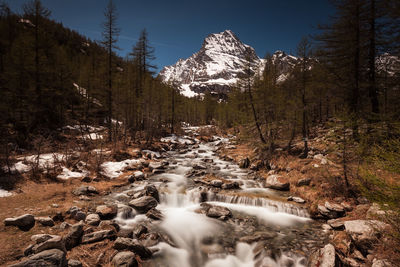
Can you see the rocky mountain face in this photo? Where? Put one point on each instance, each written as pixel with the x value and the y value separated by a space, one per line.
pixel 218 65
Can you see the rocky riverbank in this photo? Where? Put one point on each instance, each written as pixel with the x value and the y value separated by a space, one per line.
pixel 198 201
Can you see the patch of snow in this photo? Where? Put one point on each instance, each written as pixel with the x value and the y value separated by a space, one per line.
pixel 83 92
pixel 93 136
pixel 113 169
pixel 4 193
pixel 67 174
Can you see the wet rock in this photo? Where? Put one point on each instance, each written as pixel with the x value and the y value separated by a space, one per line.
pixel 208 160
pixel 296 199
pixel 124 259
pixel 154 214
pixel 48 258
pixel 156 166
pixel 303 182
pixel 230 185
pixel 257 237
pixel 143 204
pixel 98 236
pixel 55 242
pixel 45 221
pixel 132 245
pixel 107 212
pixel 277 182
pixel 152 191
pixel 85 190
pixel 125 232
pixel 364 233
pixel 244 163
pixel 336 224
pixel 216 211
pixel 126 212
pixel 73 237
pixel 93 219
pixel 199 166
pixel 137 176
pixel 216 183
pixel 139 229
pixel 24 222
pixel 74 263
pixel 324 257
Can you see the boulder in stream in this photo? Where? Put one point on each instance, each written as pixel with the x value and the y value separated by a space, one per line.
pixel 123 243
pixel 124 259
pixel 143 204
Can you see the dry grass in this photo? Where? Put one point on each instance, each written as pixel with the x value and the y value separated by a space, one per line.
pixel 36 199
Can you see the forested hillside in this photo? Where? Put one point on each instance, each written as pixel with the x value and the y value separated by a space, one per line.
pixel 52 76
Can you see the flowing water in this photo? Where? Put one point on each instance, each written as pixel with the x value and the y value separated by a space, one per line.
pixel 265 230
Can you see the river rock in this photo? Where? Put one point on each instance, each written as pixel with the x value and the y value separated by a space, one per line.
pixel 74 263
pixel 98 236
pixel 381 263
pixel 93 219
pixel 335 207
pixel 48 258
pixel 76 213
pixel 230 185
pixel 24 222
pixel 143 204
pixel 45 221
pixel 39 238
pixel 303 182
pixel 216 183
pixel 244 163
pixel 122 243
pixel 324 257
pixel 258 236
pixel 336 224
pixel 55 242
pixel 331 214
pixel 139 229
pixel 200 166
pixel 277 182
pixel 73 237
pixel 107 212
pixel 124 259
pixel 364 233
pixel 85 190
pixel 296 199
pixel 152 191
pixel 156 166
pixel 218 212
pixel 154 214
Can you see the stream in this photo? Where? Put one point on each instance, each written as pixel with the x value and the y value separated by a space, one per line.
pixel 262 229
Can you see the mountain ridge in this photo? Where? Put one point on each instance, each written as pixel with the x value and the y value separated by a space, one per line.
pixel 218 65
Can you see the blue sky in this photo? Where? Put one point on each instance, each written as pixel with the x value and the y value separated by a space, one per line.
pixel 177 28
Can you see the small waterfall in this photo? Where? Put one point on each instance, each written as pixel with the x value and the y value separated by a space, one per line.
pixel 273 205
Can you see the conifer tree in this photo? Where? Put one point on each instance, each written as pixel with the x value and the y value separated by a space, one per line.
pixel 110 35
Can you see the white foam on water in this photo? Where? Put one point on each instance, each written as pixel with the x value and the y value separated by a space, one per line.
pixel 265 214
pixel 244 257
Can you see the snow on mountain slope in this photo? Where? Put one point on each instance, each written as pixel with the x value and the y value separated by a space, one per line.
pixel 217 66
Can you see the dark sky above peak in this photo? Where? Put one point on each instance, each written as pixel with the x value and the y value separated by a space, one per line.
pixel 177 27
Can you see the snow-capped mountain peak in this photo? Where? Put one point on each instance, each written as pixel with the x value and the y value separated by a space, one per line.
pixel 216 67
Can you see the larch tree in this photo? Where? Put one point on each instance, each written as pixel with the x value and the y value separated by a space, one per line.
pixel 110 38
